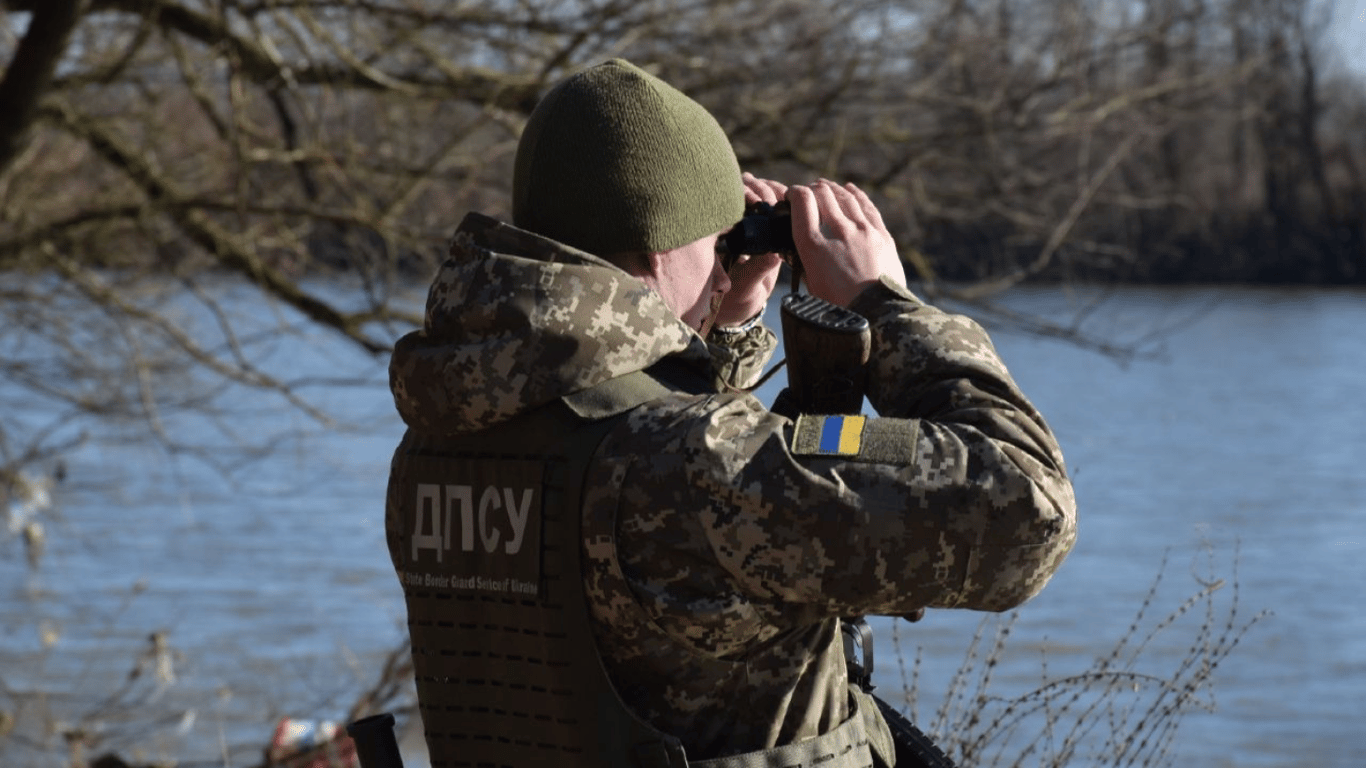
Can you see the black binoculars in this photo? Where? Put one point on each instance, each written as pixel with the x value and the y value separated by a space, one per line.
pixel 765 228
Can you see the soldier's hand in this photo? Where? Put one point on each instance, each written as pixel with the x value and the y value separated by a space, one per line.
pixel 844 244
pixel 752 277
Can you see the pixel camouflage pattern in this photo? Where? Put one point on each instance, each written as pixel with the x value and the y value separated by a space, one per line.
pixel 718 558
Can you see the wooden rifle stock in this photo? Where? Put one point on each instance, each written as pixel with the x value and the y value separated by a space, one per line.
pixel 827 356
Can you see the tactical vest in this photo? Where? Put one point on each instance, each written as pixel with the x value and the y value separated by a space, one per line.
pixel 486 539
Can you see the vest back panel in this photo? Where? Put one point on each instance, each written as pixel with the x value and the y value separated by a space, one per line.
pixel 484 533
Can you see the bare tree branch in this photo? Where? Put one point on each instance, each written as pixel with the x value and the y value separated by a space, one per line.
pixel 208 234
pixel 29 72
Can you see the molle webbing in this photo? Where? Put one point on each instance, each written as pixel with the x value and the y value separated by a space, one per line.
pixel 513 679
pixel 847 746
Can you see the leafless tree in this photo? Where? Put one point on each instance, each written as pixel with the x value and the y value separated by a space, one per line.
pixel 157 154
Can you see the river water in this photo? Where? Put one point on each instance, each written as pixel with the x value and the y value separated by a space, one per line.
pixel 1232 451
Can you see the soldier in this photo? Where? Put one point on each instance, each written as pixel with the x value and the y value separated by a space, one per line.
pixel 610 553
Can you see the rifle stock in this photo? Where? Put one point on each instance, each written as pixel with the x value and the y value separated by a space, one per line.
pixel 828 348
pixel 827 355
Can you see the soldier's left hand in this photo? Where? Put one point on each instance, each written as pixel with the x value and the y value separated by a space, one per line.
pixel 752 277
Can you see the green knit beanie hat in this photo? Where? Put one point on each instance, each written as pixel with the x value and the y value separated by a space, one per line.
pixel 615 160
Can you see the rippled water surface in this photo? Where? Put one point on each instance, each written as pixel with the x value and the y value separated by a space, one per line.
pixel 1235 452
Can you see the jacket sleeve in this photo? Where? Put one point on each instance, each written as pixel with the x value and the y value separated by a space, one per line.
pixel 738 359
pixel 955 497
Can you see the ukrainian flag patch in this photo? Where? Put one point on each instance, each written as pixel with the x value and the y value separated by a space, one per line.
pixel 828 435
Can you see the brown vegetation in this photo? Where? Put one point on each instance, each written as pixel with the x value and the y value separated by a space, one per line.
pixel 149 147
pixel 1168 139
pixel 1125 709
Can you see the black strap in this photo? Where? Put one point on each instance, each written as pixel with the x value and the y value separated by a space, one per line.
pixel 914 749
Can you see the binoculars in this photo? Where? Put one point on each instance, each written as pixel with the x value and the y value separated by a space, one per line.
pixel 765 228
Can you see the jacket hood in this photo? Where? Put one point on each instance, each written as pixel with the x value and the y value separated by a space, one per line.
pixel 514 321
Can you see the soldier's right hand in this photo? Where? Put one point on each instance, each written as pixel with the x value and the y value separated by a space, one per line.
pixel 844 244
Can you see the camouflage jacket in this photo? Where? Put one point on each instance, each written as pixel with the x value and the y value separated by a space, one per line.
pixel 723 541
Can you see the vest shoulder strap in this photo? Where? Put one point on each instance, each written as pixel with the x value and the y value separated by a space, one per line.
pixel 615 396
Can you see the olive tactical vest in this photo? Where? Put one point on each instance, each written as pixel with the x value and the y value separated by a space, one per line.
pixel 484 531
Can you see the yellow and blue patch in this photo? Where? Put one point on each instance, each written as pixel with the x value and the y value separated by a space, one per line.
pixel 828 435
